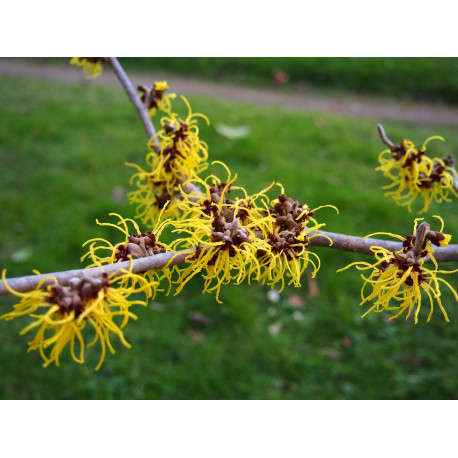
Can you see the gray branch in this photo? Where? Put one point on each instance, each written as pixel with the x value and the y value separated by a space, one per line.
pixel 159 261
pixel 132 93
pixel 358 244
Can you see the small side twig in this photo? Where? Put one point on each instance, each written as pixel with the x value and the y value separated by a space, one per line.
pixel 383 136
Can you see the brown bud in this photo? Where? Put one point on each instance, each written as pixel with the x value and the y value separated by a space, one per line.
pixel 135 250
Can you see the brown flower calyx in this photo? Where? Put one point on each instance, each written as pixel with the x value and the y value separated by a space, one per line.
pixel 399 151
pixel 150 96
pixel 171 153
pixel 210 206
pixel 229 233
pixel 414 248
pixel 72 298
pixel 287 243
pixel 403 262
pixel 435 237
pixel 437 173
pixel 139 246
pixel 290 213
pixel 175 150
pixel 414 245
pixel 411 158
pixel 161 199
pixel 198 252
pixel 177 134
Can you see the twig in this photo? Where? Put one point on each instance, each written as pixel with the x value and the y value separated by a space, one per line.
pixel 362 245
pixel 159 261
pixel 132 93
pixel 383 136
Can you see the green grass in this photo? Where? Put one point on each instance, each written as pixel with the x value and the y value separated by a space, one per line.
pixel 62 150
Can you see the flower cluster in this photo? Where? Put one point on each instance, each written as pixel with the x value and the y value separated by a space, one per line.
pixel 398 279
pixel 414 173
pixel 154 97
pixel 62 315
pixel 92 66
pixel 135 245
pixel 176 156
pixel 289 229
pixel 245 238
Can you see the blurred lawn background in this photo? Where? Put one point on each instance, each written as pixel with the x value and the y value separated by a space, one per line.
pixel 63 148
pixel 419 78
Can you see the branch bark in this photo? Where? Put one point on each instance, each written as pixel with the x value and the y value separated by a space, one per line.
pixel 132 93
pixel 159 261
pixel 361 245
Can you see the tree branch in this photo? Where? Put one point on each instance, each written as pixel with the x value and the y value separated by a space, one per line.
pixel 385 139
pixel 159 261
pixel 361 245
pixel 132 93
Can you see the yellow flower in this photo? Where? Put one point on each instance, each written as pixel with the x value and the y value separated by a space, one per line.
pixel 150 197
pixel 243 238
pixel 181 158
pixel 288 229
pixel 62 314
pixel 445 241
pixel 161 86
pixel 217 227
pixel 413 173
pixel 135 245
pixel 182 153
pixel 226 249
pixel 399 280
pixel 155 99
pixel 92 66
